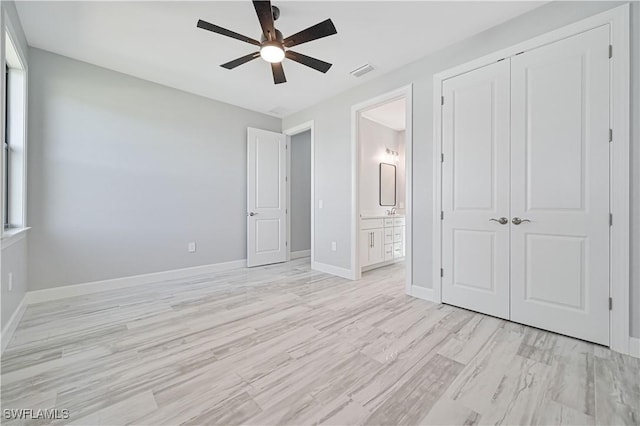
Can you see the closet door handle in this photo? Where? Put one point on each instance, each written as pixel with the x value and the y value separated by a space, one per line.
pixel 518 221
pixel 501 221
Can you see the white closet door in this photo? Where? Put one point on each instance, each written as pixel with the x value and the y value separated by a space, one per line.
pixel 560 182
pixel 475 180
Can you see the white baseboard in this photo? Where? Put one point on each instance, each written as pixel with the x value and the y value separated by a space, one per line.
pixel 333 270
pixel 423 293
pixel 634 346
pixel 39 296
pixel 10 327
pixel 299 254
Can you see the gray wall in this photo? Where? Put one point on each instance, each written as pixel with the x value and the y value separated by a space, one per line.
pixel 123 173
pixel 300 176
pixel 14 262
pixel 333 146
pixel 634 300
pixel 13 258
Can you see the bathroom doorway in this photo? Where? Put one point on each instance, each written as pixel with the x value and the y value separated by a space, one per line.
pixel 381 202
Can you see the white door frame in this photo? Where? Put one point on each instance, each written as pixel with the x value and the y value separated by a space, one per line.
pixel 309 125
pixel 618 20
pixel 400 93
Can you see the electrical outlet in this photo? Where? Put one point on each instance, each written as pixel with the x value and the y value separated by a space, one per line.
pixel 191 248
pixel 10 281
pixel 320 204
pixel 334 246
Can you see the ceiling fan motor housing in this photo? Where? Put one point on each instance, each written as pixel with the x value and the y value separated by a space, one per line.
pixel 279 38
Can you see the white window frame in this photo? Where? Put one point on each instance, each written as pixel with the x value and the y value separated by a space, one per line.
pixel 13 57
pixel 618 19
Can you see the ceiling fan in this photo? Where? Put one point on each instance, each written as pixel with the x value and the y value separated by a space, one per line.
pixel 273 47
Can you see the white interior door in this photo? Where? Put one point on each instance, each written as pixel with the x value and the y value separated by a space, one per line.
pixel 560 183
pixel 475 188
pixel 266 197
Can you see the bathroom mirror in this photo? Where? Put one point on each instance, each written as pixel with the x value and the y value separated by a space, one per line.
pixel 387 184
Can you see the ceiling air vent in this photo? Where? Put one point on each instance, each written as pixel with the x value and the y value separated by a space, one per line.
pixel 360 71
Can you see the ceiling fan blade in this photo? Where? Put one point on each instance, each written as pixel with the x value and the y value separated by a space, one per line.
pixel 243 60
pixel 225 32
pixel 265 16
pixel 278 73
pixel 314 63
pixel 323 29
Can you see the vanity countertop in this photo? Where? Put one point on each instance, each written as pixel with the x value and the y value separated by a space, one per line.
pixel 381 216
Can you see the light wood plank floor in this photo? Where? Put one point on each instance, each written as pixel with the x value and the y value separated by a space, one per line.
pixel 286 345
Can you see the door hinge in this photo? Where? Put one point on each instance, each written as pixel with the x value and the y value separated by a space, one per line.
pixel 442 158
pixel 441 272
pixel 611 303
pixel 286 211
pixel 441 215
pixel 286 243
pixel 610 135
pixel 441 100
pixel 610 219
pixel 286 179
pixel 286 147
pixel 610 51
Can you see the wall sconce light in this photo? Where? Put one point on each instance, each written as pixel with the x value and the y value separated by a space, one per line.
pixel 393 156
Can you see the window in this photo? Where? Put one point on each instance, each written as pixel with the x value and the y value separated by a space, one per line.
pixel 13 140
pixel 7 152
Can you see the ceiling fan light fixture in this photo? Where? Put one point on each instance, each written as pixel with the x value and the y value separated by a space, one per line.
pixel 272 43
pixel 272 52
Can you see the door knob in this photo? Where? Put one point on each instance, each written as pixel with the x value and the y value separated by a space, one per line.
pixel 501 221
pixel 518 221
pixel 253 214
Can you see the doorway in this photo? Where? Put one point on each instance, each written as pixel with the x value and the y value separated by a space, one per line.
pixel 381 182
pixel 300 191
pixel 299 187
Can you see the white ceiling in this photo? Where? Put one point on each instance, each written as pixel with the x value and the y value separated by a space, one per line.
pixel 159 41
pixel 391 114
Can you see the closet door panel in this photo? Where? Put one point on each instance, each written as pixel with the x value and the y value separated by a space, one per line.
pixel 560 183
pixel 475 179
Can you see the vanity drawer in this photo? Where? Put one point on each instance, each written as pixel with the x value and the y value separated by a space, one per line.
pixel 371 223
pixel 388 251
pixel 398 234
pixel 398 221
pixel 398 250
pixel 388 223
pixel 388 235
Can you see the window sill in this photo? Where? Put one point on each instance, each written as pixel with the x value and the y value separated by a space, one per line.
pixel 12 236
